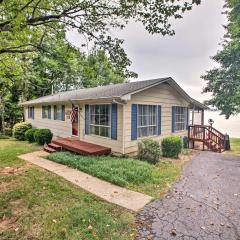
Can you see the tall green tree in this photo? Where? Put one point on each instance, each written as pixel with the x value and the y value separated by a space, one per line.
pixel 224 81
pixel 34 54
pixel 26 24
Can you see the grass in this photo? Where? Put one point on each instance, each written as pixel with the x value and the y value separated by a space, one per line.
pixel 235 147
pixel 130 173
pixel 35 204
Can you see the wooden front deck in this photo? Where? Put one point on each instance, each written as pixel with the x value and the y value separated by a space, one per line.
pixel 210 137
pixel 81 147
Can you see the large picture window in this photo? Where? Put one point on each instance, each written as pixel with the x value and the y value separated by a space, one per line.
pixel 46 112
pixel 147 120
pixel 180 116
pixel 100 120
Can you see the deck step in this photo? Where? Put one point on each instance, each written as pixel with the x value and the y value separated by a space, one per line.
pixel 55 146
pixel 48 149
pixel 81 147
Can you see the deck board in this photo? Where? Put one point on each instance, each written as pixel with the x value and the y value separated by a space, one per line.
pixel 81 147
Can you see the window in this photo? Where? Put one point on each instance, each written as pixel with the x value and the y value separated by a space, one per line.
pixel 147 120
pixel 46 112
pixel 59 112
pixel 31 112
pixel 180 115
pixel 100 120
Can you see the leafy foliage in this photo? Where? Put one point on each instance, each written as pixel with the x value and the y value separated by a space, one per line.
pixel 35 56
pixel 19 130
pixel 8 132
pixel 29 135
pixel 149 150
pixel 43 136
pixel 171 146
pixel 224 82
pixel 43 20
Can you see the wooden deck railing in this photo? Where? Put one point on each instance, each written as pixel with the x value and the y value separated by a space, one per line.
pixel 213 139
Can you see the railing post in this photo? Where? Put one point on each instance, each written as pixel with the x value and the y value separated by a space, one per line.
pixel 203 138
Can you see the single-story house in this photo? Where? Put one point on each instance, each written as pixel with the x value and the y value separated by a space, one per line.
pixel 117 115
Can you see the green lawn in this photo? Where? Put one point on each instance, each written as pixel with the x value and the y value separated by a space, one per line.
pixel 130 173
pixel 35 204
pixel 235 147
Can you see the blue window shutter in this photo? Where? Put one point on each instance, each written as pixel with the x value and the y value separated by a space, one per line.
pixel 43 111
pixel 186 117
pixel 134 122
pixel 159 119
pixel 86 119
pixel 28 112
pixel 49 112
pixel 63 113
pixel 32 112
pixel 173 118
pixel 114 121
pixel 55 112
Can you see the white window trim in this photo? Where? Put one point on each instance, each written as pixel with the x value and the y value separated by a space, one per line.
pixel 175 122
pixel 46 109
pixel 154 135
pixel 97 125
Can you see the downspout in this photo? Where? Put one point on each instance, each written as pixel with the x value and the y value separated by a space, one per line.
pixel 123 123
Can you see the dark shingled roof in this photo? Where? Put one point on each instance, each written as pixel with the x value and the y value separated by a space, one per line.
pixel 109 91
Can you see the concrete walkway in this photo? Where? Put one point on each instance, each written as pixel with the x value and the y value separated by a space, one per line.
pixel 121 196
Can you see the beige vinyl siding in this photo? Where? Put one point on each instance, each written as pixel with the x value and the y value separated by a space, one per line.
pixel 163 95
pixel 57 127
pixel 115 145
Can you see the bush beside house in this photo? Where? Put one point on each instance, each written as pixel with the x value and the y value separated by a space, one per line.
pixel 149 150
pixel 29 135
pixel 43 136
pixel 19 130
pixel 171 146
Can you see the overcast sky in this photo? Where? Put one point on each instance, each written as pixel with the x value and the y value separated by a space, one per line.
pixel 184 56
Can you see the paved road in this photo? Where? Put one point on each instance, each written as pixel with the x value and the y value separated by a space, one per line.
pixel 204 204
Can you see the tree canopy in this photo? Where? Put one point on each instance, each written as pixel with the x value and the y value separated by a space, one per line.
pixel 224 81
pixel 36 58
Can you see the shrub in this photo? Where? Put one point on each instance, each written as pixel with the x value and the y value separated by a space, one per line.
pixel 43 136
pixel 149 150
pixel 171 146
pixel 29 134
pixel 8 132
pixel 185 142
pixel 19 130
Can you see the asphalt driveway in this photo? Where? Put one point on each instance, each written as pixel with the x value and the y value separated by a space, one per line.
pixel 204 204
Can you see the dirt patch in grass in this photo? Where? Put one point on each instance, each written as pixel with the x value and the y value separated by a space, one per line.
pixel 184 157
pixel 8 223
pixel 11 170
